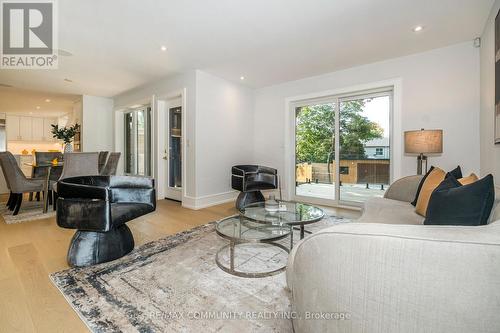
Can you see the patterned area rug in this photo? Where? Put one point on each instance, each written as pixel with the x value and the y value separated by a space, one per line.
pixel 174 285
pixel 30 211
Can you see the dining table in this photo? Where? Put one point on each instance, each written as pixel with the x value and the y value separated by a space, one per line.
pixel 50 168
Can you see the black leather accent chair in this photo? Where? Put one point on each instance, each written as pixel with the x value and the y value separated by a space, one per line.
pixel 250 180
pixel 98 207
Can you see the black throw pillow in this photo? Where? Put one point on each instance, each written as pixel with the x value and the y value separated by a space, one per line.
pixel 452 203
pixel 457 173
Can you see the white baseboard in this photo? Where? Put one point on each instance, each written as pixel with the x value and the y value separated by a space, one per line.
pixel 208 200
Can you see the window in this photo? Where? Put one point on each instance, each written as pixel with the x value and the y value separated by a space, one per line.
pixel 379 151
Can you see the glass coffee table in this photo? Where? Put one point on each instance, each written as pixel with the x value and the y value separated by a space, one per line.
pixel 296 215
pixel 253 250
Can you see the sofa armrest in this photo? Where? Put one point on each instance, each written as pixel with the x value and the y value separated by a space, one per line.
pixel 404 189
pixel 397 278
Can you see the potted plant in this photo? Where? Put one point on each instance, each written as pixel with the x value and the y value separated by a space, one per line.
pixel 66 134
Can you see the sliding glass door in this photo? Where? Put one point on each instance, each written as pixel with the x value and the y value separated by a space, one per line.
pixel 138 142
pixel 342 147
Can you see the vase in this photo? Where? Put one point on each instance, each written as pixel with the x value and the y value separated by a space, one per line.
pixel 68 148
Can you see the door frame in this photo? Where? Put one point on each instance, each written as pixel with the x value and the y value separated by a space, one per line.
pixel 396 138
pixel 161 108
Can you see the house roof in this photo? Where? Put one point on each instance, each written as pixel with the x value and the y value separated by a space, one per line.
pixel 382 142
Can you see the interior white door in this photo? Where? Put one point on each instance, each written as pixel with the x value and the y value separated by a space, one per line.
pixel 173 152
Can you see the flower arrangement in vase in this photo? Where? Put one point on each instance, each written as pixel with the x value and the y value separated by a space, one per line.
pixel 66 134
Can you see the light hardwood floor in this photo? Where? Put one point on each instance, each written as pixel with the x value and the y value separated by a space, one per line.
pixel 30 251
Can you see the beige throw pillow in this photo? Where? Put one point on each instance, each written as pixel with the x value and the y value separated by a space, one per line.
pixel 468 180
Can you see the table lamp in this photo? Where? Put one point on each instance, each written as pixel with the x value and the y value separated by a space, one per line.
pixel 423 142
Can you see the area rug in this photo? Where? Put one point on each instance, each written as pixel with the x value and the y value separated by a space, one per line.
pixel 30 211
pixel 174 285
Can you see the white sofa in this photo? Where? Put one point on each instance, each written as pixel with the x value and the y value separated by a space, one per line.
pixel 389 273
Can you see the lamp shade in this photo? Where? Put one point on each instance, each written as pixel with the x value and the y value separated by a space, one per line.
pixel 424 142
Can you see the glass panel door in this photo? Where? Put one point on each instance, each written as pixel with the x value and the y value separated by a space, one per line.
pixel 364 166
pixel 174 147
pixel 357 165
pixel 315 150
pixel 130 143
pixel 138 142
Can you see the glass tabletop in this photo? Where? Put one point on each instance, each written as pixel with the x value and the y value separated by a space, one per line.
pixel 45 165
pixel 241 229
pixel 296 213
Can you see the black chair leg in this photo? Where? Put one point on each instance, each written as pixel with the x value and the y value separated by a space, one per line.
pixel 50 197
pixel 31 196
pixel 18 203
pixel 10 200
pixel 37 196
pixel 13 201
pixel 54 200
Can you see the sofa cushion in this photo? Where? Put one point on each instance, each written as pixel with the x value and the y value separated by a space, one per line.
pixel 455 204
pixel 388 211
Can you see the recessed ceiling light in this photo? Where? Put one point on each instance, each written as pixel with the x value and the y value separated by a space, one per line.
pixel 47 100
pixel 242 78
pixel 418 28
pixel 68 80
pixel 163 48
pixel 37 107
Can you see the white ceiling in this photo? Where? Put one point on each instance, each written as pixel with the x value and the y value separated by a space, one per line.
pixel 116 44
pixel 25 102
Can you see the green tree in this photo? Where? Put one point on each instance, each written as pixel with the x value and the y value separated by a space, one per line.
pixel 315 126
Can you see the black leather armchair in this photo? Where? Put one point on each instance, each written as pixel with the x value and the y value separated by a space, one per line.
pixel 98 207
pixel 250 180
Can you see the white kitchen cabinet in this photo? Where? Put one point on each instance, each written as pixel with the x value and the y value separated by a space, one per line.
pixel 38 133
pixel 47 128
pixel 25 128
pixel 12 125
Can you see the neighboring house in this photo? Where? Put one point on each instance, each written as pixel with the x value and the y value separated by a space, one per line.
pixel 378 149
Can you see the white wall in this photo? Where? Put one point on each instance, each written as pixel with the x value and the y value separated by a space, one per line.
pixel 490 153
pixel 163 88
pixel 97 123
pixel 439 89
pixel 224 135
pixel 219 131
